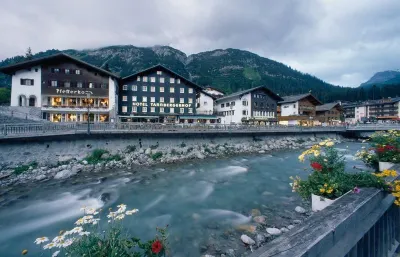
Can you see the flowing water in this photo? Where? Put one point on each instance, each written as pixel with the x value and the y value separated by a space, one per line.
pixel 202 201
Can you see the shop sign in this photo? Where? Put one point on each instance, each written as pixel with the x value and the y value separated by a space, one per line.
pixel 161 105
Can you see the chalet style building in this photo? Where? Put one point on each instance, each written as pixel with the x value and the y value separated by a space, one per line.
pixel 299 110
pixel 330 113
pixel 64 88
pixel 253 106
pixel 158 94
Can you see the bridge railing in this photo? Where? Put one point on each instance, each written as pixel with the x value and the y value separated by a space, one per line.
pixel 357 225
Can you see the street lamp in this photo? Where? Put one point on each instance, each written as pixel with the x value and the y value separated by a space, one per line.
pixel 88 113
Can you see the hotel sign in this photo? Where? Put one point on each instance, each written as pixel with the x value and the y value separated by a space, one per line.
pixel 74 91
pixel 161 105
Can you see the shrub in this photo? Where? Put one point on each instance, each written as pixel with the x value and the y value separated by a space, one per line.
pixel 156 155
pixel 21 169
pixel 86 239
pixel 130 148
pixel 95 156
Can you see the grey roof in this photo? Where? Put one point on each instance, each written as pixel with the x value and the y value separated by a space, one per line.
pixel 239 93
pixel 295 98
pixel 37 61
pixel 326 107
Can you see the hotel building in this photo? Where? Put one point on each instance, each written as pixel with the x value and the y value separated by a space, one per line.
pixel 64 88
pixel 253 106
pixel 158 94
pixel 298 110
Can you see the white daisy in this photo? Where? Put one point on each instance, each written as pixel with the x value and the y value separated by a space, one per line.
pixel 84 233
pixel 67 242
pixel 41 240
pixel 55 254
pixel 49 246
pixel 58 239
pixel 131 212
pixel 120 217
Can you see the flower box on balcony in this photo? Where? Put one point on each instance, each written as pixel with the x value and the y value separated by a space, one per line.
pixel 318 203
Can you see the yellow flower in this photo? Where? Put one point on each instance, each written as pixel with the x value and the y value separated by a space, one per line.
pixel 301 158
pixel 316 153
pixel 325 185
pixel 329 190
pixel 322 143
pixel 397 202
pixel 24 252
pixel 330 143
pixel 393 173
pixel 322 190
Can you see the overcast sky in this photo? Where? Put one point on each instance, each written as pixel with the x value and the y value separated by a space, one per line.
pixel 343 42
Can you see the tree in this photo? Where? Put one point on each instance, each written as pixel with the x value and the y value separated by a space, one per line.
pixel 28 54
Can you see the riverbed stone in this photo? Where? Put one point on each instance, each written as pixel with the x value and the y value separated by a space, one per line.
pixel 260 219
pixel 255 212
pixel 230 253
pixel 64 174
pixel 247 240
pixel 246 228
pixel 260 239
pixel 105 156
pixel 40 177
pixel 300 209
pixel 284 230
pixel 85 162
pixel 296 221
pixel 290 227
pixel 148 151
pixel 274 231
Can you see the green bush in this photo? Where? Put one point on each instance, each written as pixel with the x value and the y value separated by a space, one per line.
pixel 95 156
pixel 156 155
pixel 207 150
pixel 21 169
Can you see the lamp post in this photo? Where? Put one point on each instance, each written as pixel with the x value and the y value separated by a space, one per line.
pixel 88 113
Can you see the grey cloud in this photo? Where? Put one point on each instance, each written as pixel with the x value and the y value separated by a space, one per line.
pixel 343 42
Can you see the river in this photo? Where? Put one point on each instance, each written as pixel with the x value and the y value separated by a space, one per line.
pixel 202 201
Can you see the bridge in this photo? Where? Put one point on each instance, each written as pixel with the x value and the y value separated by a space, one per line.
pixel 49 129
pixel 357 225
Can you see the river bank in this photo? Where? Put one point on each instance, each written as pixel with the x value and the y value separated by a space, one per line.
pixel 68 165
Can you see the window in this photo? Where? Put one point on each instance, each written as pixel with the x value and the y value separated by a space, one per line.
pixel 102 85
pixel 232 103
pixel 182 110
pixel 161 99
pixel 172 90
pixel 56 70
pixel 134 108
pixel 144 79
pixel 134 88
pixel 153 89
pixel 144 109
pixel 255 104
pixel 171 110
pixel 159 72
pixel 124 98
pixel 134 98
pixel 125 87
pixel 172 100
pixel 67 84
pixel 222 105
pixel 190 100
pixel 172 80
pixel 27 82
pixel 161 109
pixel 244 112
pixel 294 106
pixel 67 71
pixel 152 99
pixel 162 89
pixel 152 79
pixel 91 85
pixel 54 83
pixel 36 70
pixel 79 84
pixel 205 103
pixel 245 103
pixel 162 80
pixel 182 100
pixel 144 99
pixel 190 90
pixel 178 81
pixel 182 91
pixel 227 104
pixel 78 72
pixel 153 109
pixel 190 110
pixel 144 88
pixel 124 108
pixel 138 78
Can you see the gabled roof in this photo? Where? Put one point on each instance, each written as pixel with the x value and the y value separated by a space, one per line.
pixel 161 67
pixel 295 98
pixel 240 93
pixel 327 107
pixel 10 69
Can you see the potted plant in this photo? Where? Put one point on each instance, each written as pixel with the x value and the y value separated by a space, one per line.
pixel 328 180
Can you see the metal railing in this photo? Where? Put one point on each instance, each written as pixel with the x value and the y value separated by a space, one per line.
pixel 357 225
pixel 31 129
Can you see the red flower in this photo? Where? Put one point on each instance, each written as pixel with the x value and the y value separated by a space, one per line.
pixel 156 247
pixel 389 147
pixel 380 149
pixel 316 166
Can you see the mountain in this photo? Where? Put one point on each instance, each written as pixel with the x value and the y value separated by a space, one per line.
pixel 383 78
pixel 229 70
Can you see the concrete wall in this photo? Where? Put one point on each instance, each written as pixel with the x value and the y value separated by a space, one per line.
pixel 48 150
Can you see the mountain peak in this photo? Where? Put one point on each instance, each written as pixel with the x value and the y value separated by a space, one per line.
pixel 384 77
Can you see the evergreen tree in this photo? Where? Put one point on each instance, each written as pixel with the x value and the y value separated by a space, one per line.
pixel 28 54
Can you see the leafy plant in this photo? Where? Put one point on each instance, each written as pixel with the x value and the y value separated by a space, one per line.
pixel 21 169
pixel 156 155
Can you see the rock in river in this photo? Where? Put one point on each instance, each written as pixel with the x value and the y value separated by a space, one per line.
pixel 260 219
pixel 274 231
pixel 247 240
pixel 64 174
pixel 299 209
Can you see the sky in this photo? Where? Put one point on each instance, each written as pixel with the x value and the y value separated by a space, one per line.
pixel 343 42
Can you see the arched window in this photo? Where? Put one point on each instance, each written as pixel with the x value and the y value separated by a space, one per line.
pixel 22 100
pixel 32 100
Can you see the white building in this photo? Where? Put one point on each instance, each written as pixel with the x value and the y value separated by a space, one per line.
pixel 255 106
pixel 205 103
pixel 214 92
pixel 298 110
pixel 64 88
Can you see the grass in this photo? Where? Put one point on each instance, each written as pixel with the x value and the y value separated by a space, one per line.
pixel 95 156
pixel 21 169
pixel 156 155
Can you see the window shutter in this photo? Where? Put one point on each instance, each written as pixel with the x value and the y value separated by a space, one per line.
pixel 21 81
pixel 32 81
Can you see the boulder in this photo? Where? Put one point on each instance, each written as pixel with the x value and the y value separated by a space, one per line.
pixel 274 231
pixel 40 177
pixel 299 209
pixel 148 151
pixel 296 221
pixel 105 156
pixel 84 162
pixel 247 240
pixel 284 230
pixel 290 227
pixel 64 174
